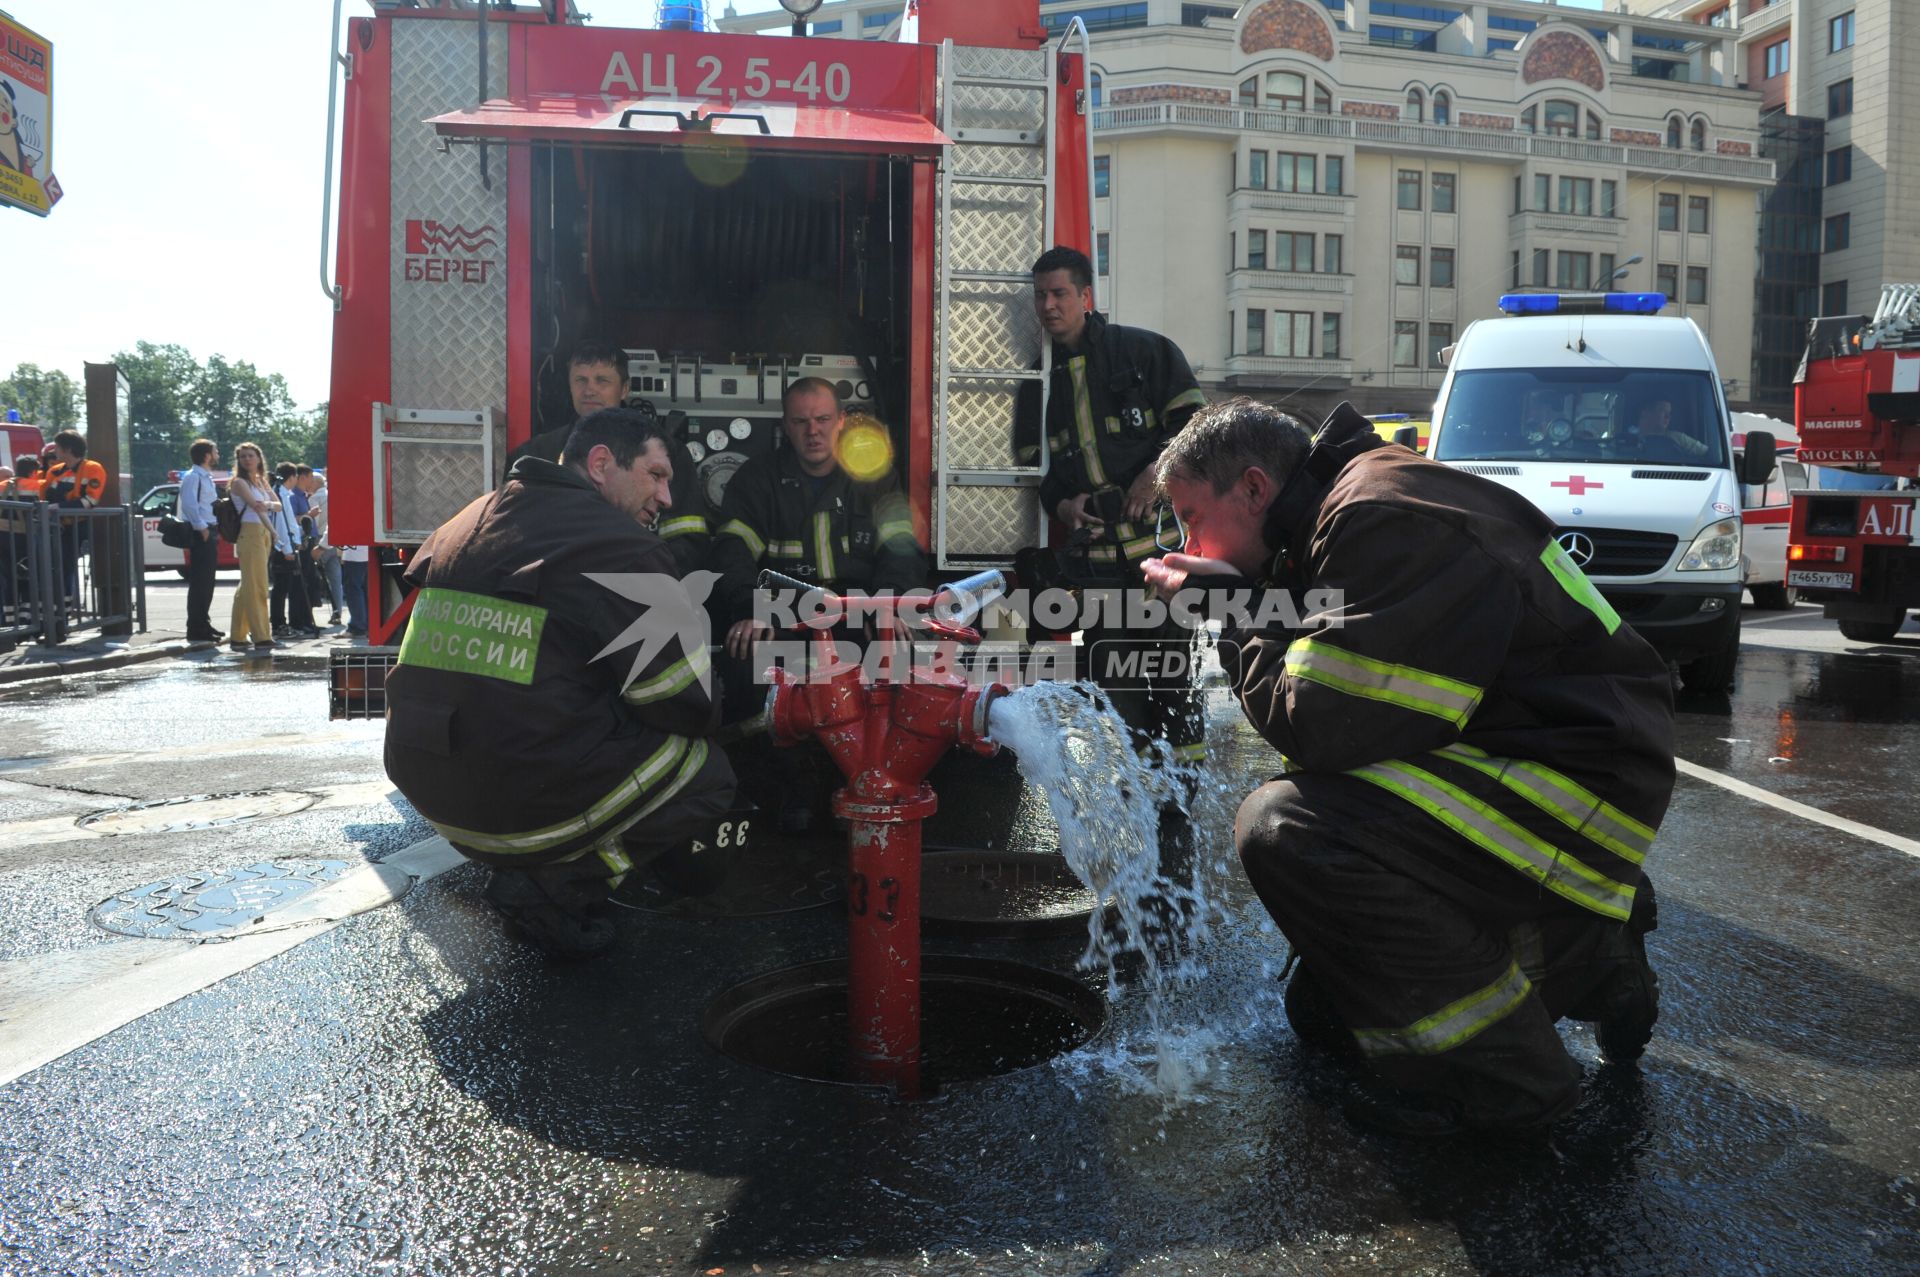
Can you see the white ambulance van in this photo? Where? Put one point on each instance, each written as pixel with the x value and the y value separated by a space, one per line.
pixel 1610 418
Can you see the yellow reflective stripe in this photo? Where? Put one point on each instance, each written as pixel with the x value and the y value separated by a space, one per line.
pixel 1083 422
pixel 823 545
pixel 684 525
pixel 1319 661
pixel 1484 826
pixel 676 678
pixel 1057 442
pixel 1190 753
pixel 630 788
pixel 1102 552
pixel 894 530
pixel 787 549
pixel 1140 548
pixel 1575 582
pixel 1453 1024
pixel 1590 815
pixel 1186 398
pixel 736 528
pixel 616 860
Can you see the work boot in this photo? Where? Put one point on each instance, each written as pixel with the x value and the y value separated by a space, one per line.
pixel 569 935
pixel 1626 1005
pixel 1315 1022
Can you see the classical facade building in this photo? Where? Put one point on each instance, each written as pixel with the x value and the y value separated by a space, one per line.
pixel 1315 197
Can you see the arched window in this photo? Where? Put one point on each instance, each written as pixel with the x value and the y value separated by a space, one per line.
pixel 1673 133
pixel 1442 108
pixel 1095 83
pixel 1699 135
pixel 1415 105
pixel 1530 120
pixel 1593 126
pixel 1250 92
pixel 1563 118
pixel 1287 90
pixel 1322 99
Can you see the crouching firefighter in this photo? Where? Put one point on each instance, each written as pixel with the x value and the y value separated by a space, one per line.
pixel 1479 754
pixel 550 713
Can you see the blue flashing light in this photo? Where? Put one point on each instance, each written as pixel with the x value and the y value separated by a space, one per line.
pixel 1389 416
pixel 1582 303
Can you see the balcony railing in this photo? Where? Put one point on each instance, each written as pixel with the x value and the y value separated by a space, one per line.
pixel 1288 281
pixel 1145 117
pixel 1252 200
pixel 1537 223
pixel 1282 366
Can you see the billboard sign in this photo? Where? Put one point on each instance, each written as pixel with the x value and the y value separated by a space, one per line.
pixel 26 120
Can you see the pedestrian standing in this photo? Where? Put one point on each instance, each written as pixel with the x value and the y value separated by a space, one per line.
pixel 291 612
pixel 197 495
pixel 326 555
pixel 353 581
pixel 253 495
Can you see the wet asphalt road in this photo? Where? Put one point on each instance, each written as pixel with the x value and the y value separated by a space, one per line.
pixel 411 1093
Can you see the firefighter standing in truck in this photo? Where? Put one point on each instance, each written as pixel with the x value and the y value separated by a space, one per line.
pixel 517 722
pixel 1479 755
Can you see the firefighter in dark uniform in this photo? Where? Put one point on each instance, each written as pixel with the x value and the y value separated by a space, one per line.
pixel 596 379
pixel 1479 756
pixel 551 725
pixel 825 509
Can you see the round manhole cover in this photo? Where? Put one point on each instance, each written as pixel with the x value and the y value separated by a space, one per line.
pixel 200 811
pixel 212 902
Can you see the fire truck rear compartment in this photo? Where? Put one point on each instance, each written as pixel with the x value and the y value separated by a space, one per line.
pixel 724 256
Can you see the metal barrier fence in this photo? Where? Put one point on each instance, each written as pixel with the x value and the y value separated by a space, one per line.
pixel 64 571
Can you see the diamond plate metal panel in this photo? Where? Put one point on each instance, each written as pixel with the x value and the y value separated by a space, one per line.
pixel 449 232
pixel 988 106
pixel 431 484
pixel 991 327
pixel 990 522
pixel 997 228
pixel 980 423
pixel 999 64
pixel 984 160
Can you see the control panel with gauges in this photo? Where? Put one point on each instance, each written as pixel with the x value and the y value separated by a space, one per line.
pixel 730 407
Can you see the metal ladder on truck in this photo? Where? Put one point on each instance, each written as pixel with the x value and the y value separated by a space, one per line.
pixel 996 217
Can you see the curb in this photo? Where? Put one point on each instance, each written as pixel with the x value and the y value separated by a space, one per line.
pixel 26 670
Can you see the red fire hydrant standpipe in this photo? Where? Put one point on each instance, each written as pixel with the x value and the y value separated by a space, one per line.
pixel 885 736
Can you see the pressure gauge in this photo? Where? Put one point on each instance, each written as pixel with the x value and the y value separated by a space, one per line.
pixel 740 428
pixel 697 452
pixel 1560 430
pixel 717 439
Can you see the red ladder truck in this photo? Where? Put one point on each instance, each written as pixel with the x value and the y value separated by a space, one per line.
pixel 736 211
pixel 1857 408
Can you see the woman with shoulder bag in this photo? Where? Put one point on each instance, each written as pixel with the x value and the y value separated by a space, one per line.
pixel 252 494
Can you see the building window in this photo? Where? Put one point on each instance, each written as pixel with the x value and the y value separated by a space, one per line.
pixel 1517 206
pixel 1256 332
pixel 1699 135
pixel 1322 99
pixel 1669 212
pixel 1563 119
pixel 1439 337
pixel 1293 250
pixel 1196 15
pixel 1609 198
pixel 1103 175
pixel 1777 55
pixel 1833 298
pixel 1330 336
pixel 1409 197
pixel 1416 106
pixel 1839 232
pixel 1840 99
pixel 1697 214
pixel 1696 285
pixel 825 28
pixel 1667 281
pixel 1100 253
pixel 1530 120
pixel 1406 264
pixel 1516 269
pixel 1440 268
pixel 1110 17
pixel 1096 87
pixel 1605 278
pixel 1576 196
pixel 1335 251
pixel 1839 165
pixel 1250 92
pixel 1293 334
pixel 1256 170
pixel 1593 127
pixel 1542 267
pixel 1442 108
pixel 1840 33
pixel 1673 134
pixel 1335 173
pixel 1576 271
pixel 1295 173
pixel 1287 90
pixel 1406 344
pixel 1256 250
pixel 1443 192
pixel 1542 193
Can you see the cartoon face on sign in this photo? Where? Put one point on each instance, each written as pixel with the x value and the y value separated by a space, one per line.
pixel 11 153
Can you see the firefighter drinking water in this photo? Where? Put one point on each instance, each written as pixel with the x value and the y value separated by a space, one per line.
pixel 550 711
pixel 1479 754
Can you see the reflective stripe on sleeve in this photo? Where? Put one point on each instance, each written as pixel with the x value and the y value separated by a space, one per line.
pixel 685 525
pixel 1083 422
pixel 1553 868
pixel 1575 582
pixel 676 750
pixel 1453 1024
pixel 1319 661
pixel 676 678
pixel 1185 399
pixel 737 528
pixel 1563 798
pixel 823 545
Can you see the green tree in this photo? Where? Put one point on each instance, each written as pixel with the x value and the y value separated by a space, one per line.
pixel 49 399
pixel 160 419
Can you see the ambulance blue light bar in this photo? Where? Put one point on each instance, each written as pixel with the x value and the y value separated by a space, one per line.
pixel 1583 303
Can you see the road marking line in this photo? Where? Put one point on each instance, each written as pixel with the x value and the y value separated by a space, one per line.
pixel 1893 842
pixel 58 1003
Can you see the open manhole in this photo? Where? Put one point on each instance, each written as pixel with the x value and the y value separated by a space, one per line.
pixel 202 904
pixel 1001 895
pixel 775 874
pixel 200 811
pixel 980 1017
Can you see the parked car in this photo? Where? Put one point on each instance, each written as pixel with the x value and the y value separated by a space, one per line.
pixel 165 499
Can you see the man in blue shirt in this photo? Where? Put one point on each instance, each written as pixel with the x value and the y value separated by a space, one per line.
pixel 291 611
pixel 197 494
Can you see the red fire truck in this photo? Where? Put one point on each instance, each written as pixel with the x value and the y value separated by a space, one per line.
pixel 1857 407
pixel 736 211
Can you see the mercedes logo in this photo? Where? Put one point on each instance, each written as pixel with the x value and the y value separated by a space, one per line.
pixel 1579 547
